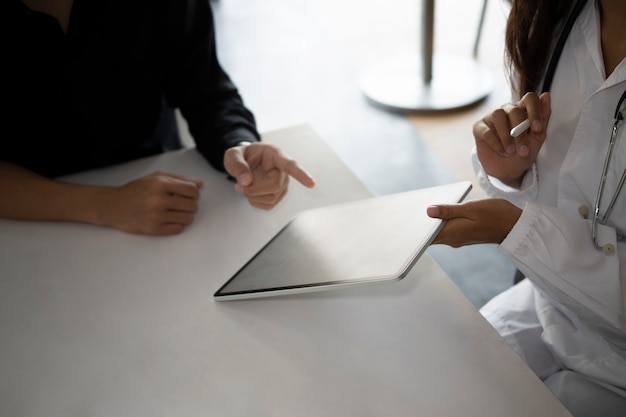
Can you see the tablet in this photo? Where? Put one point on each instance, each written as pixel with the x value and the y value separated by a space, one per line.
pixel 366 241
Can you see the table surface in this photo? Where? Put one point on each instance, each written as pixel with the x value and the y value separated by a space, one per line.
pixel 96 322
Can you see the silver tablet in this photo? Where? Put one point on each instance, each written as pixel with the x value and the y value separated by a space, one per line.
pixel 366 241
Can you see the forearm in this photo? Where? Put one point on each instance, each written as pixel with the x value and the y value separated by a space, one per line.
pixel 25 195
pixel 158 204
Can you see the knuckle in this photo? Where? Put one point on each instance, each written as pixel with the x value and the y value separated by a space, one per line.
pixel 517 113
pixel 157 183
pixel 274 199
pixel 499 113
pixel 155 201
pixel 490 136
pixel 530 96
pixel 276 188
pixel 291 165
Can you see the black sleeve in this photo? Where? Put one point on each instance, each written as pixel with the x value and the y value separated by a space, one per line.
pixel 199 87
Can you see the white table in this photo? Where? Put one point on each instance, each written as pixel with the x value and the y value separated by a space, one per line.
pixel 96 322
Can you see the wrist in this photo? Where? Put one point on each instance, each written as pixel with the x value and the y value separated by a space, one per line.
pixel 96 205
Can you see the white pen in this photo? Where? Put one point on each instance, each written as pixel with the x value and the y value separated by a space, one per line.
pixel 520 128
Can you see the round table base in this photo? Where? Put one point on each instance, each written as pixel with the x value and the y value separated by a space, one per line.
pixel 398 84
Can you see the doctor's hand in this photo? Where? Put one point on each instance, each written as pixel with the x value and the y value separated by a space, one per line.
pixel 503 156
pixel 262 173
pixel 478 221
pixel 158 204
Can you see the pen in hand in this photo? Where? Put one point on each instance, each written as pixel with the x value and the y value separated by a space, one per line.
pixel 520 128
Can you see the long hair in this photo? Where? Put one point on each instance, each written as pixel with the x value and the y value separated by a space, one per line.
pixel 529 33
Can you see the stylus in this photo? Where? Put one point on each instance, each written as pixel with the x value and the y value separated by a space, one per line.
pixel 520 128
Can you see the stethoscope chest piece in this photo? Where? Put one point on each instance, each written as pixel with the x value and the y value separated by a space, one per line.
pixel 607 249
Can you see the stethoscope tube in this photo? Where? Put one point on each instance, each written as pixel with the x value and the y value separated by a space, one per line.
pixel 558 49
pixel 619 117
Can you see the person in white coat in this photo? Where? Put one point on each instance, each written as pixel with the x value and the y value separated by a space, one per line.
pixel 558 206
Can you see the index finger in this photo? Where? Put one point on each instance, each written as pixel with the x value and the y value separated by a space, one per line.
pixel 293 169
pixel 531 103
pixel 538 112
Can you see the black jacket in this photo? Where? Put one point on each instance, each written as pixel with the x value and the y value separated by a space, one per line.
pixel 103 93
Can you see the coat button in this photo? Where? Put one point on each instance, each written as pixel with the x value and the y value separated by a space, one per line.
pixel 608 249
pixel 584 211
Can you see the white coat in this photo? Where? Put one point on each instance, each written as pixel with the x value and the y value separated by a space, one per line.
pixel 572 312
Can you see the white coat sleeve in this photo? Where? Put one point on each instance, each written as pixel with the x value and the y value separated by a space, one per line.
pixel 554 250
pixel 496 189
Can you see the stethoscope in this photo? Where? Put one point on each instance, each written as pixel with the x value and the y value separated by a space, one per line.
pixel 620 111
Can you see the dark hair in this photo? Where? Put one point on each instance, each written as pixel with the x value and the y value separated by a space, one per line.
pixel 529 34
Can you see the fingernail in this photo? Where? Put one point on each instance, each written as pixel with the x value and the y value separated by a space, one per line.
pixel 536 126
pixel 433 211
pixel 244 179
pixel 523 150
pixel 510 149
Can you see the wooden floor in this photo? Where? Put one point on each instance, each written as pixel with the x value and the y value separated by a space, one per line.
pixel 449 134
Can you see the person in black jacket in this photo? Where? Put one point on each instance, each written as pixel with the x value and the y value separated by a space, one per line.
pixel 94 83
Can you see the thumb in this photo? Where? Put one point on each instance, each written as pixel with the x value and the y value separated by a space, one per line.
pixel 443 211
pixel 236 165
